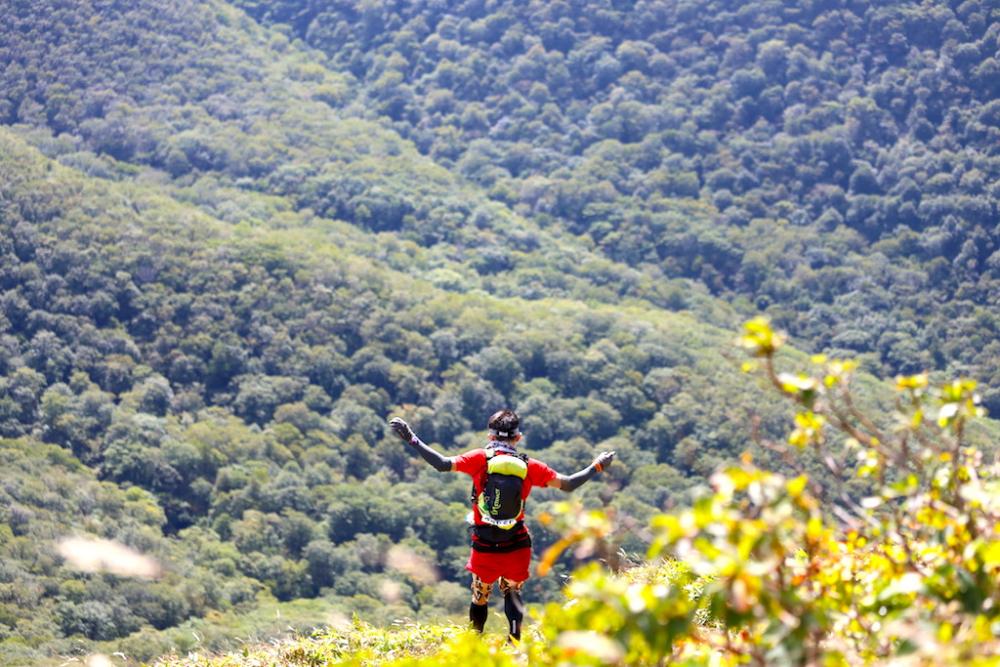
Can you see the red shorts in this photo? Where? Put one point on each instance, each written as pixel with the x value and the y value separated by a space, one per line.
pixel 489 567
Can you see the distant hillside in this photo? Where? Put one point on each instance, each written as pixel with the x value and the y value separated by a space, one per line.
pixel 847 149
pixel 222 108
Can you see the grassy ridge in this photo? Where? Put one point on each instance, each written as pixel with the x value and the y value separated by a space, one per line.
pixel 358 644
pixel 408 643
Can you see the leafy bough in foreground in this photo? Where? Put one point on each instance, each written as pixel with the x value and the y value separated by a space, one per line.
pixel 793 573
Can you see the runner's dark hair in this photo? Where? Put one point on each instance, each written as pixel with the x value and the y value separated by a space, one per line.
pixel 504 425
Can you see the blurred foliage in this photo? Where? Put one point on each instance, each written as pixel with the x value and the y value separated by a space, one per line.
pixel 792 572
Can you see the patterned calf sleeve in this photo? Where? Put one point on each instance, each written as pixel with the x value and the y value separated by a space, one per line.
pixel 481 590
pixel 480 597
pixel 506 586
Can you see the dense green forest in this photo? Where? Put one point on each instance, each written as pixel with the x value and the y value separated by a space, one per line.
pixel 235 238
pixel 847 150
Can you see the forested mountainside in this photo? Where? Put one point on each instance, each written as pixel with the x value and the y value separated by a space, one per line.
pixel 212 102
pixel 230 249
pixel 848 149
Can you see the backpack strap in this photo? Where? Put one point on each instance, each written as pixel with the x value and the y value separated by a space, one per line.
pixel 473 496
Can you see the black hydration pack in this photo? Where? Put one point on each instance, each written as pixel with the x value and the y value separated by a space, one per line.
pixel 501 502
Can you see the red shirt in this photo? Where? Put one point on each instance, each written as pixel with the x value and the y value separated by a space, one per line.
pixel 473 464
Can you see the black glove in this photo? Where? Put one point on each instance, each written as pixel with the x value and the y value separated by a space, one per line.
pixel 603 460
pixel 402 429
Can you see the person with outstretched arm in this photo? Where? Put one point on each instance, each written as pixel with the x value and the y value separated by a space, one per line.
pixel 502 479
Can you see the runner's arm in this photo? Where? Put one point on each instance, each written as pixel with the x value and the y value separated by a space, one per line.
pixel 438 462
pixel 406 434
pixel 572 482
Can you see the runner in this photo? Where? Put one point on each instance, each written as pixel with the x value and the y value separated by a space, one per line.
pixel 502 480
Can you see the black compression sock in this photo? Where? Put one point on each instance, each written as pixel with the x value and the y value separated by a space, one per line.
pixel 478 614
pixel 514 608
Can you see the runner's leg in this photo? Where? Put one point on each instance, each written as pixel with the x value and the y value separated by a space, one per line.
pixel 513 606
pixel 478 610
